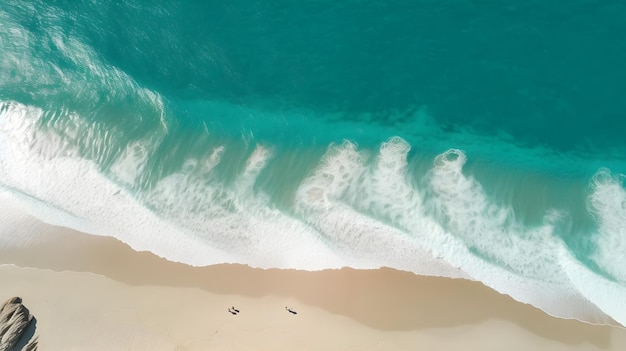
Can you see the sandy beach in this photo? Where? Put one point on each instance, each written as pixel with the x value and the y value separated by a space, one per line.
pixel 96 293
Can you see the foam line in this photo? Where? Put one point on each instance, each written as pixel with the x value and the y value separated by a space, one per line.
pixel 455 220
pixel 607 203
pixel 357 208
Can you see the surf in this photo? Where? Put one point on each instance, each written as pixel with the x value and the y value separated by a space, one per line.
pixel 356 207
pixel 203 149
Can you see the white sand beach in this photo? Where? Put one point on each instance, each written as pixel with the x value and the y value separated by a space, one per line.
pixel 95 293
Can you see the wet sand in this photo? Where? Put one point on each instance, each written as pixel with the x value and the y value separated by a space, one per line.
pixel 96 293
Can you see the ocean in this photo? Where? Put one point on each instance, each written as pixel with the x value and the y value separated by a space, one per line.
pixel 468 139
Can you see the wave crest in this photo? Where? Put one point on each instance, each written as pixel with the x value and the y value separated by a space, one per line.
pixel 355 207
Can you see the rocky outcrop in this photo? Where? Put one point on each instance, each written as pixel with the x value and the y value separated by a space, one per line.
pixel 14 320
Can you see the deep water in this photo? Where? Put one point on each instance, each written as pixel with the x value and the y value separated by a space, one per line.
pixel 473 139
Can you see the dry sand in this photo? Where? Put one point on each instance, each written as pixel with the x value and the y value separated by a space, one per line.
pixel 95 293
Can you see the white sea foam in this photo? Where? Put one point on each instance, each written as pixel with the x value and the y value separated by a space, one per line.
pixel 233 217
pixel 255 163
pixel 607 203
pixel 608 295
pixel 54 189
pixel 460 204
pixel 356 208
pixel 512 259
pixel 523 261
pixel 323 201
pixel 131 163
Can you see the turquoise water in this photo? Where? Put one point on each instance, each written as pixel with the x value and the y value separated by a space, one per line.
pixel 474 139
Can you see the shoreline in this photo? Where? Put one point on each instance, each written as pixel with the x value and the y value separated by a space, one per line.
pixel 141 301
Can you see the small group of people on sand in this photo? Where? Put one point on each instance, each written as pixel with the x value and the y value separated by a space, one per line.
pixel 235 311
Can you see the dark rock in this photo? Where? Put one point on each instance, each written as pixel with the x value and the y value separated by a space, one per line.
pixel 14 319
pixel 32 344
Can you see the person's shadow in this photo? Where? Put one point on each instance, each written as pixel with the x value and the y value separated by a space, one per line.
pixel 26 337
